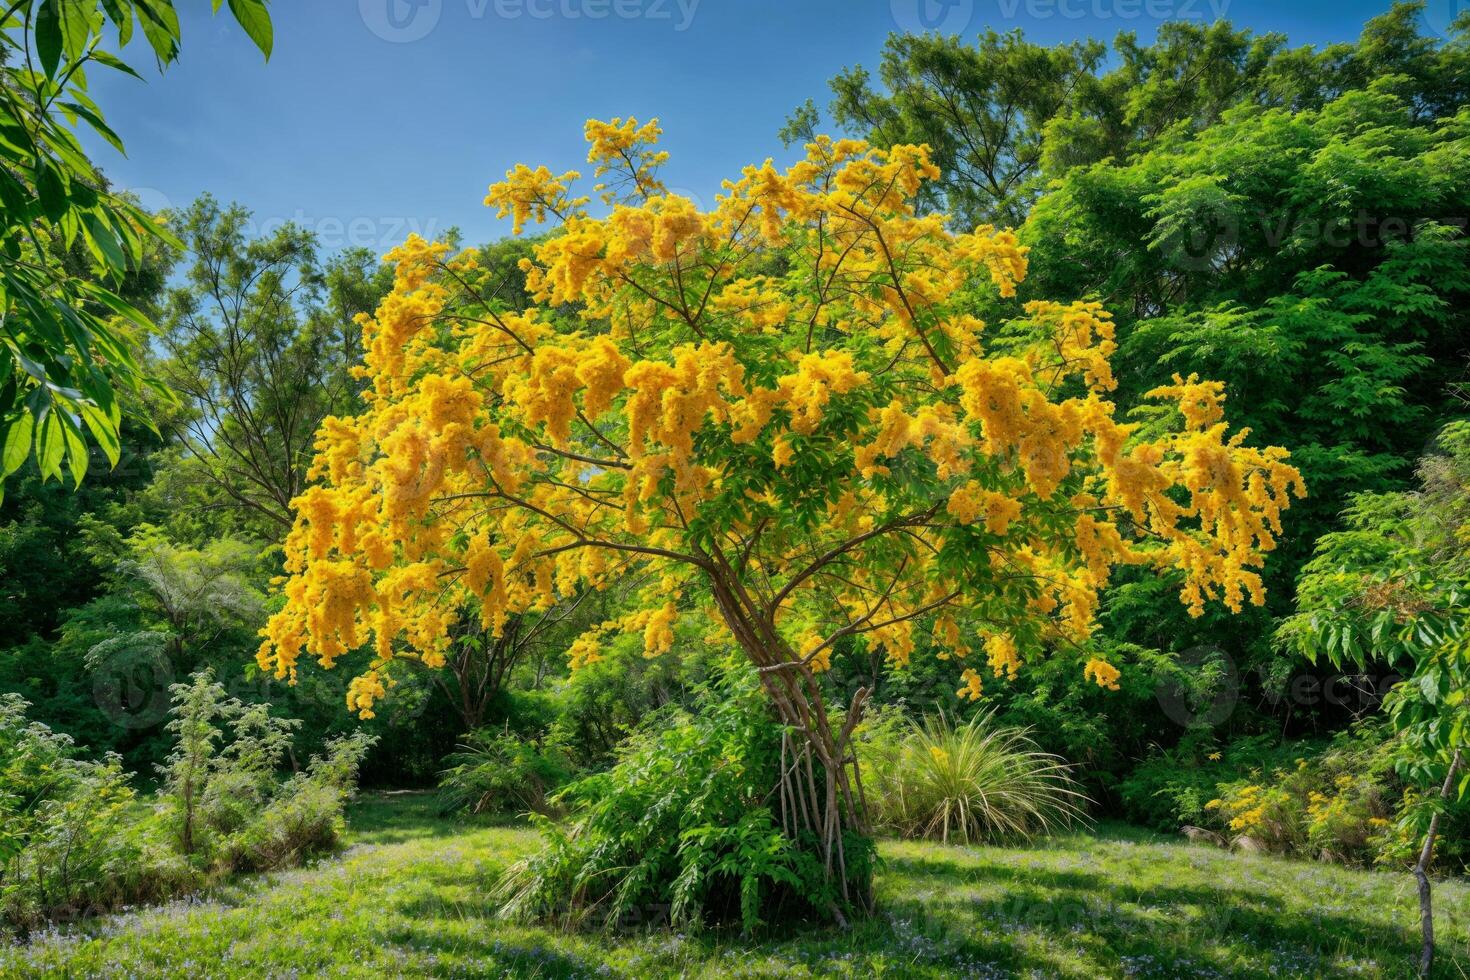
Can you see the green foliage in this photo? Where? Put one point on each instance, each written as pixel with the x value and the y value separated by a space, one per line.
pixel 976 782
pixel 74 840
pixel 1345 803
pixel 683 823
pixel 1171 787
pixel 601 703
pixel 222 798
pixel 497 772
pixel 303 817
pixel 259 340
pixel 1329 297
pixel 1006 117
pixel 1391 589
pixel 69 340
pixel 44 563
pixel 982 109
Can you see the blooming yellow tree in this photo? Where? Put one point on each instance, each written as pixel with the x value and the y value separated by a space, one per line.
pixel 785 414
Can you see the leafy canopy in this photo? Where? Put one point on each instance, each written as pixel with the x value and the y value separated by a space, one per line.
pixel 782 406
pixel 68 340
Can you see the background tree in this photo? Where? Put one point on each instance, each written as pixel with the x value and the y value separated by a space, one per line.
pixel 981 109
pixel 260 340
pixel 1391 587
pixel 1005 116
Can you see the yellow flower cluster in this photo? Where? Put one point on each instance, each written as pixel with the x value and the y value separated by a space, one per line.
pixel 624 147
pixel 973 688
pixel 969 503
pixel 1102 673
pixel 528 195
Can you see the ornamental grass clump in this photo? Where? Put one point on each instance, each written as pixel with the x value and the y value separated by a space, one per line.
pixel 971 783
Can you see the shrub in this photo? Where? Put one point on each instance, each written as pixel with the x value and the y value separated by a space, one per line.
pixel 498 772
pixel 1171 787
pixel 305 816
pixel 73 840
pixel 976 782
pixel 1344 804
pixel 684 821
pixel 222 796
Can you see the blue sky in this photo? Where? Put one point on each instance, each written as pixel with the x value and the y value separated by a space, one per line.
pixel 379 117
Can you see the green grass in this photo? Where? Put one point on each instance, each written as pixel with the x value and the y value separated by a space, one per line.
pixel 408 899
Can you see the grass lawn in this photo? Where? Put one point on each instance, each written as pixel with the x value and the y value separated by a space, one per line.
pixel 407 899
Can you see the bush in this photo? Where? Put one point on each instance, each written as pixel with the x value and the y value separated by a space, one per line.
pixel 497 772
pixel 972 783
pixel 1170 788
pixel 222 795
pixel 1344 803
pixel 683 822
pixel 73 840
pixel 305 816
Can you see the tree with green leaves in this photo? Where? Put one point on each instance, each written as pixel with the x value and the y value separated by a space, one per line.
pixel 1005 116
pixel 260 338
pixel 70 368
pixel 1393 588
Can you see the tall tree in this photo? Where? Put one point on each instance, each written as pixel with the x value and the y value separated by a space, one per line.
pixel 785 411
pixel 1005 116
pixel 260 341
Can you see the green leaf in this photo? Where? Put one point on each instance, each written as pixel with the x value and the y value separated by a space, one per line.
pixel 97 123
pixel 49 38
pixel 76 451
pixel 160 26
pixel 51 447
pixel 104 431
pixel 52 192
pixel 108 249
pixel 256 20
pixel 114 62
pixel 77 22
pixel 17 444
pixel 120 12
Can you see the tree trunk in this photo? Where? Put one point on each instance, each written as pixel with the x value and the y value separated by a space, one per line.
pixel 820 789
pixel 1421 872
